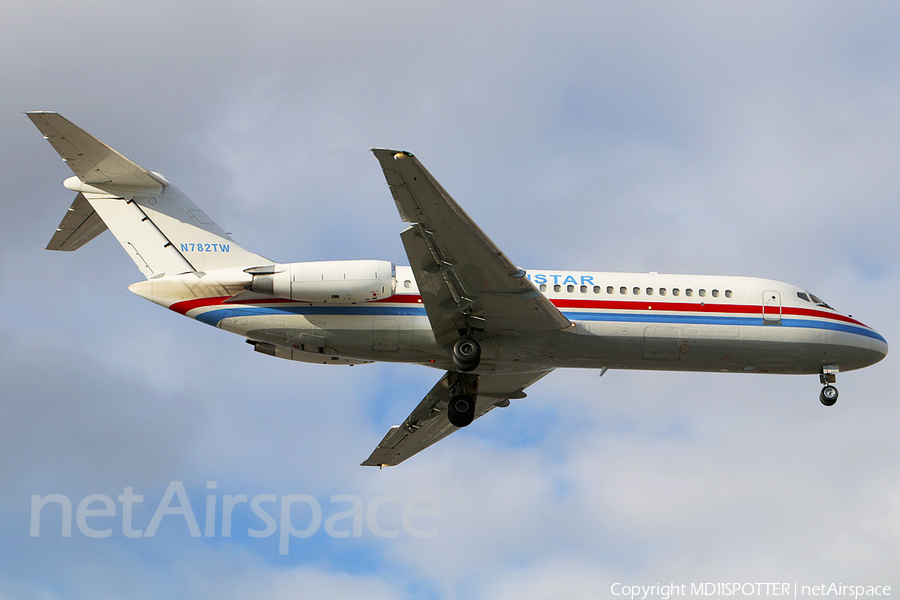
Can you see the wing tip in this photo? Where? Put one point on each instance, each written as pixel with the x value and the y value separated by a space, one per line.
pixel 36 115
pixel 398 154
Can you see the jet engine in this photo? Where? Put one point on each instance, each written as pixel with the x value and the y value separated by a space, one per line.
pixel 327 282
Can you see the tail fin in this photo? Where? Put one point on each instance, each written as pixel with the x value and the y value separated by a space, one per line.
pixel 162 230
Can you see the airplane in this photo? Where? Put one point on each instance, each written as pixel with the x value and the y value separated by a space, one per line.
pixel 461 305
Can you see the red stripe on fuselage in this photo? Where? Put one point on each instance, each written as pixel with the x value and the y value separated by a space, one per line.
pixel 564 303
pixel 637 305
pixel 185 306
pixel 402 299
pixel 701 307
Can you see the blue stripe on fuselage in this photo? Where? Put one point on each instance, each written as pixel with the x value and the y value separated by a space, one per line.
pixel 746 321
pixel 213 317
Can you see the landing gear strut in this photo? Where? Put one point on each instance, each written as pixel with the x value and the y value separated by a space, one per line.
pixel 829 394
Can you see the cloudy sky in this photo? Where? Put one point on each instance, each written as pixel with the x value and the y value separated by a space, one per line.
pixel 756 138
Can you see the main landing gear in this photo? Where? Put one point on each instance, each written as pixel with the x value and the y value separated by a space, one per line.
pixel 466 354
pixel 463 392
pixel 461 410
pixel 829 394
pixel 464 383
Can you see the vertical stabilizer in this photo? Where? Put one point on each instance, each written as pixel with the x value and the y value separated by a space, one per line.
pixel 159 227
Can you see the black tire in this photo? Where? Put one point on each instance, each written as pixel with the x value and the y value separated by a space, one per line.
pixel 461 410
pixel 829 395
pixel 466 354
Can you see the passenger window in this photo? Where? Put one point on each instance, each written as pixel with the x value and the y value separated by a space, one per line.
pixel 728 293
pixel 689 292
pixel 649 291
pixel 557 288
pixel 570 288
pixel 596 289
pixel 584 289
pixel 609 289
pixel 662 291
pixel 715 293
pixel 623 290
pixel 543 287
pixel 407 284
pixel 702 293
pixel 676 292
pixel 637 291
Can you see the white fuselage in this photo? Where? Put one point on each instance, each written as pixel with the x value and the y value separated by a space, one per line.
pixel 620 321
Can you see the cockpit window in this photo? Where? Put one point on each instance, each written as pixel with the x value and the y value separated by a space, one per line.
pixel 803 296
pixel 818 301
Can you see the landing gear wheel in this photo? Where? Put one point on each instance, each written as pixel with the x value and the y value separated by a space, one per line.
pixel 466 354
pixel 461 410
pixel 829 395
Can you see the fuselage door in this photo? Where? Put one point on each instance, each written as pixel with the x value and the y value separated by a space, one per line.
pixel 772 306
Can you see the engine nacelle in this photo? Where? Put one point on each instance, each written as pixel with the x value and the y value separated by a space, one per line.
pixel 327 282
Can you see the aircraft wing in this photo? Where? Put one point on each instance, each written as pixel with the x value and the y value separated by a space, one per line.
pixel 428 422
pixel 463 277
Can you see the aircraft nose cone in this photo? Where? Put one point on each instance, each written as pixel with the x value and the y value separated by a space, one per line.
pixel 872 349
pixel 881 349
pixel 857 349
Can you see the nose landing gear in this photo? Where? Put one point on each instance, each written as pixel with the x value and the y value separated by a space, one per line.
pixel 829 394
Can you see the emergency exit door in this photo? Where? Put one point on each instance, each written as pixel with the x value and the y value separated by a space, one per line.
pixel 772 306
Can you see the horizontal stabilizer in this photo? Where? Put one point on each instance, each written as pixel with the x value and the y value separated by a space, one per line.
pixel 92 161
pixel 80 225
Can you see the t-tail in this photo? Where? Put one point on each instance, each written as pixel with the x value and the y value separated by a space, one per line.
pixel 160 228
pixel 192 266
